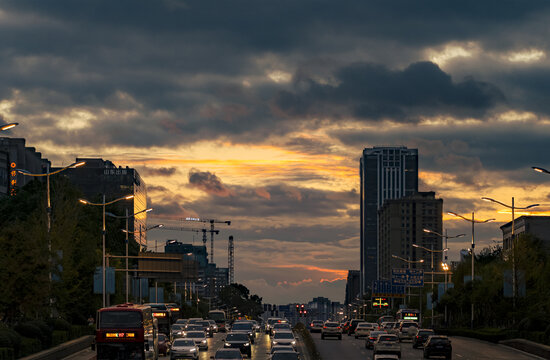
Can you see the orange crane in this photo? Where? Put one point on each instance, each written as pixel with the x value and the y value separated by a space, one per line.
pixel 212 231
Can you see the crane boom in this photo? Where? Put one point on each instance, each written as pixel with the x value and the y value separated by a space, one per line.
pixel 212 231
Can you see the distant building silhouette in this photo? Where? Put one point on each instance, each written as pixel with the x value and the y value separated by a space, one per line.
pixel 537 226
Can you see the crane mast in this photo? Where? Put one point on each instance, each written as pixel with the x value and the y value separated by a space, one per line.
pixel 231 261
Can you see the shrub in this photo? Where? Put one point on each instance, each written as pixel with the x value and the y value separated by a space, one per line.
pixel 7 354
pixel 29 346
pixel 46 332
pixel 10 339
pixel 59 337
pixel 308 341
pixel 59 324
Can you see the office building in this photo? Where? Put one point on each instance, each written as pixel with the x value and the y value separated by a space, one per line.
pixel 15 155
pixel 402 223
pixel 385 173
pixel 536 226
pixel 98 177
pixel 352 286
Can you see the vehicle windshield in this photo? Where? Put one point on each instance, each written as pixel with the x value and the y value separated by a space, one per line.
pixel 439 341
pixel 195 334
pixel 225 354
pixel 283 335
pixel 119 319
pixel 425 333
pixel 237 337
pixel 177 327
pixel 242 326
pixel 216 316
pixel 183 342
pixel 158 306
pixel 331 325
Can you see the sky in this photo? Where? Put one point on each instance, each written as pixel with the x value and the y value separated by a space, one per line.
pixel 257 112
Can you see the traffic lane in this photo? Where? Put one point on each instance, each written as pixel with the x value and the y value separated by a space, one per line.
pixel 472 349
pixel 260 348
pixel 348 348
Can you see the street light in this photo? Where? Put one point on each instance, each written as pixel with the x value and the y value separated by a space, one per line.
pixel 8 126
pixel 432 251
pixel 126 240
pixel 48 202
pixel 513 207
pixel 103 204
pixel 473 221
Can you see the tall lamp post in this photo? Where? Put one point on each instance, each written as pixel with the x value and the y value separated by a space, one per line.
pixel 126 217
pixel 409 262
pixel 103 204
pixel 513 245
pixel 444 264
pixel 48 202
pixel 473 221
pixel 432 251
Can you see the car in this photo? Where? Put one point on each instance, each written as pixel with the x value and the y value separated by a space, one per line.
pixel 363 329
pixel 352 325
pixel 283 338
pixel 244 327
pixel 316 326
pixel 184 348
pixel 270 322
pixel 199 337
pixel 373 336
pixel 407 329
pixel 281 348
pixel 177 331
pixel 207 327
pixel 256 325
pixel 213 325
pixel 387 326
pixel 385 318
pixel 285 355
pixel 421 336
pixel 280 327
pixel 331 328
pixel 227 354
pixel 278 322
pixel 239 341
pixel 438 345
pixel 163 344
pixel 181 321
pixel 387 344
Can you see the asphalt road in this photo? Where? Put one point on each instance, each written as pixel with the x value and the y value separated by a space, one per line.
pixel 350 348
pixel 260 348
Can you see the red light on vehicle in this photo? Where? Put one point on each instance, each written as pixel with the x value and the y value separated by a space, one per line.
pixel 338 327
pixel 159 314
pixel 324 327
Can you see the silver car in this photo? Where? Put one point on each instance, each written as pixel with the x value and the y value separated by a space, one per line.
pixel 184 349
pixel 283 338
pixel 199 337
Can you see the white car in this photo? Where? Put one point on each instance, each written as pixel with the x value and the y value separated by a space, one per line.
pixel 183 349
pixel 283 338
pixel 407 330
pixel 199 337
pixel 316 326
pixel 363 329
pixel 280 327
pixel 387 344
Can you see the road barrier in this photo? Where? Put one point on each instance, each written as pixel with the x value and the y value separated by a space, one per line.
pixel 529 347
pixel 63 350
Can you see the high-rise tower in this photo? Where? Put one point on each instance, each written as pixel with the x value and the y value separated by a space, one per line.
pixel 386 172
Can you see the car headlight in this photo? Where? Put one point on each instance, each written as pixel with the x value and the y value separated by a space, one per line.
pixel 204 341
pixel 293 343
pixel 246 344
pixel 227 344
pixel 193 349
pixel 274 342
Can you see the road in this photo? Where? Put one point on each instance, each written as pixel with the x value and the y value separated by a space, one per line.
pixel 350 348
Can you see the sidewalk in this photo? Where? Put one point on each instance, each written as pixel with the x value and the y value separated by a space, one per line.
pixel 86 354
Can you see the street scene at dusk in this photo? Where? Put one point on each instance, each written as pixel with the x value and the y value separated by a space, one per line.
pixel 326 165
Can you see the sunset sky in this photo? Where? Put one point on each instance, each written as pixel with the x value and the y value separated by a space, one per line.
pixel 258 111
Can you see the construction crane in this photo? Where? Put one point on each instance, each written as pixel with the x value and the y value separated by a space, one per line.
pixel 212 231
pixel 231 261
pixel 204 231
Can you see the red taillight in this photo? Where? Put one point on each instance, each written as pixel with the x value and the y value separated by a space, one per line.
pixel 324 327
pixel 338 327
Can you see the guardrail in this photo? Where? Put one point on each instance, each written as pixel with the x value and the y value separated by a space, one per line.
pixel 63 350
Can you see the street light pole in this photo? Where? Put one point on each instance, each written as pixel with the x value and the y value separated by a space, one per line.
pixel 513 242
pixel 473 221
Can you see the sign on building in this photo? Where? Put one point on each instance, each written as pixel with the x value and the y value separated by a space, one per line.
pixel 408 277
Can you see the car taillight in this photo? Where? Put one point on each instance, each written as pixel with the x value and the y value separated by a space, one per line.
pixel 418 337
pixel 338 327
pixel 324 327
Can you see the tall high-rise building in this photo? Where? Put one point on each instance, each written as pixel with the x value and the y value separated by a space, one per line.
pixel 352 286
pixel 386 172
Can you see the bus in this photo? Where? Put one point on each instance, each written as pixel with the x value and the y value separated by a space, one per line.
pixel 126 331
pixel 407 314
pixel 164 316
pixel 219 317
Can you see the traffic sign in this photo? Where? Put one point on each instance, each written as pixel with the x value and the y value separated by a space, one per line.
pixel 384 288
pixel 407 277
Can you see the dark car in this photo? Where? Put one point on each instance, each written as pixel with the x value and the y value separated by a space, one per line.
pixel 244 328
pixel 285 355
pixel 437 345
pixel 227 354
pixel 352 325
pixel 239 341
pixel 164 344
pixel 208 329
pixel 421 336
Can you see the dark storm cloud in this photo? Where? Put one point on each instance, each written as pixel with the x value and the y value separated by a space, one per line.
pixel 374 92
pixel 208 182
pixel 161 171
